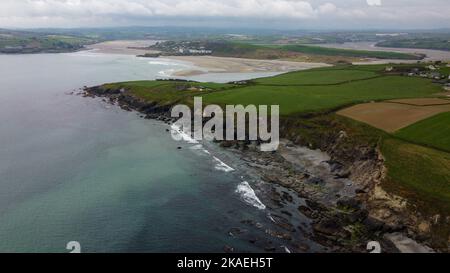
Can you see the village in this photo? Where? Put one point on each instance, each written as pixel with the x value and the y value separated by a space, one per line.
pixel 182 48
pixel 437 71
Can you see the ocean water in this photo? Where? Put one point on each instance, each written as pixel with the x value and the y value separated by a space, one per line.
pixel 79 169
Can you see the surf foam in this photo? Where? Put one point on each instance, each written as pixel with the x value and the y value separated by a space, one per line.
pixel 248 195
pixel 185 137
pixel 221 166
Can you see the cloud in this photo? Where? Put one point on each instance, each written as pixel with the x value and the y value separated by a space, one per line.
pixel 374 2
pixel 264 13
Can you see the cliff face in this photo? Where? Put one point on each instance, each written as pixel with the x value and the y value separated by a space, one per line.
pixel 355 151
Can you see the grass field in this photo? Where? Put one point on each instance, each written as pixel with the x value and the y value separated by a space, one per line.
pixel 318 77
pixel 167 92
pixel 298 99
pixel 434 132
pixel 317 50
pixel 418 172
pixel 342 87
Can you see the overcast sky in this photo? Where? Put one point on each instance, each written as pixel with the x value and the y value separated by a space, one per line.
pixel 295 14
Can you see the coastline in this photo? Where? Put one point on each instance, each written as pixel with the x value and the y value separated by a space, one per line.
pixel 340 197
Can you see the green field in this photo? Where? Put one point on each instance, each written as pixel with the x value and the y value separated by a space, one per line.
pixel 437 43
pixel 323 90
pixel 301 99
pixel 434 132
pixel 275 52
pixel 318 77
pixel 167 92
pixel 317 50
pixel 419 172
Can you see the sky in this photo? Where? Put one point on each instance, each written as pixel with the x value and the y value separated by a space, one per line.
pixel 288 14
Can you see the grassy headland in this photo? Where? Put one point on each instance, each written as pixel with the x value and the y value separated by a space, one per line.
pixel 15 42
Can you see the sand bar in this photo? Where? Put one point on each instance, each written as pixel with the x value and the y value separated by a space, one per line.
pixel 209 64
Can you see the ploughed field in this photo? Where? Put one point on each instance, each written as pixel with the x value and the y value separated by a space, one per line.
pixel 393 115
pixel 415 143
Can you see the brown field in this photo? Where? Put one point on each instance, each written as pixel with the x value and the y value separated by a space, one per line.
pixel 395 115
pixel 422 101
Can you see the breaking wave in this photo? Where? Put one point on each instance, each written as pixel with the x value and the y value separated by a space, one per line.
pixel 248 195
pixel 185 137
pixel 221 166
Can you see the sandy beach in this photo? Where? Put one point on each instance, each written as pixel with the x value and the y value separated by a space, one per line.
pixel 204 64
pixel 209 64
pixel 432 55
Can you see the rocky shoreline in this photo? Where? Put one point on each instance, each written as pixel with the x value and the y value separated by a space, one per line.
pixel 340 186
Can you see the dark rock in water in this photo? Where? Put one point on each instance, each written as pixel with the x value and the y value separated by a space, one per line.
pixel 315 205
pixel 226 144
pixel 167 130
pixel 270 249
pixel 283 223
pixel 236 231
pixel 308 212
pixel 286 226
pixel 279 235
pixel 331 228
pixel 302 248
pixel 286 213
pixel 327 227
pixel 228 249
pixel 248 222
pixel 179 148
pixel 287 197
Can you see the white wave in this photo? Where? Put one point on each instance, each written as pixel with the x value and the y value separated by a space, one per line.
pixel 197 147
pixel 168 72
pixel 167 63
pixel 221 166
pixel 249 196
pixel 287 250
pixel 185 137
pixel 200 147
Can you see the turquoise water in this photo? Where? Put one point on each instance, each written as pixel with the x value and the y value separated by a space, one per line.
pixel 78 169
